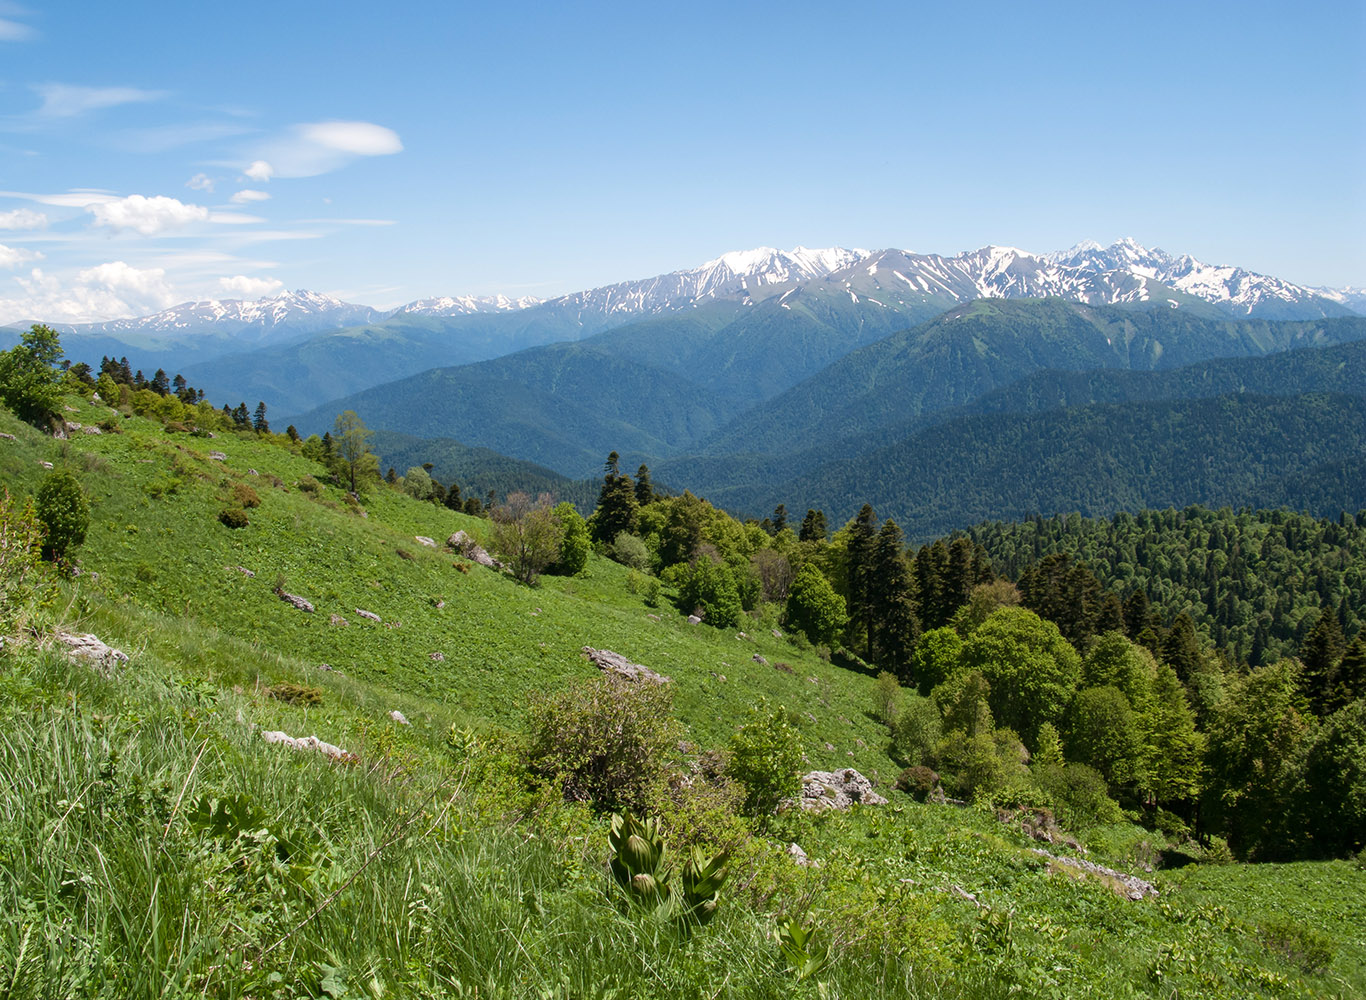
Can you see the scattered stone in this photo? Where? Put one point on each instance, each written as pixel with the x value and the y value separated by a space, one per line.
pixel 393 625
pixel 71 409
pixel 325 666
pixel 694 620
pixel 424 540
pixel 830 747
pixel 813 680
pixel 84 646
pixel 741 635
pixel 91 429
pixel 959 890
pixel 848 753
pixel 337 620
pixel 439 605
pixel 437 657
pixel 614 663
pixel 777 634
pixel 218 456
pixel 399 717
pixel 784 667
pixel 654 618
pixel 472 550
pixel 795 852
pixel 306 743
pixel 759 659
pixel 367 614
pixel 822 790
pixel 8 437
pixel 1127 885
pixel 294 599
pixel 244 571
pixel 252 472
pixel 46 465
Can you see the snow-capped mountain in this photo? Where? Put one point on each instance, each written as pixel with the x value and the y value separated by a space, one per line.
pixel 465 305
pixel 294 313
pixel 737 275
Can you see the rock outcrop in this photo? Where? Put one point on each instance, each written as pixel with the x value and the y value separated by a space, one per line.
pixel 1126 885
pixel 822 790
pixel 84 646
pixel 472 550
pixel 614 663
pixel 295 600
pixel 305 743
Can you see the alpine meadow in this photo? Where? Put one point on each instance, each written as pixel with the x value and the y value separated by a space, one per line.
pixel 418 580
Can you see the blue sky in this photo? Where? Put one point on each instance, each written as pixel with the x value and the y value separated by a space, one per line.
pixel 157 152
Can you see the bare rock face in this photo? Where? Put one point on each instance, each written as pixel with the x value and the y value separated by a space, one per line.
pixel 84 646
pixel 472 550
pixel 822 790
pixel 295 600
pixel 1130 886
pixel 614 663
pixel 306 743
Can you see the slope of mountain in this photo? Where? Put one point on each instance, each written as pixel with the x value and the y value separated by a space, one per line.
pixel 1236 450
pixel 564 406
pixel 986 344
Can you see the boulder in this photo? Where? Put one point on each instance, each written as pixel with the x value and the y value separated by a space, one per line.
pixel 795 852
pixel 399 717
pixel 337 620
pixel 367 614
pixel 1127 885
pixel 306 743
pixel 295 600
pixel 822 790
pixel 218 456
pixel 472 550
pixel 424 540
pixel 84 646
pixel 759 659
pixel 694 620
pixel 8 437
pixel 614 663
pixel 437 657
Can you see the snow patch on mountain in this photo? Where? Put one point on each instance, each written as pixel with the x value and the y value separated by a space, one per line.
pixel 466 305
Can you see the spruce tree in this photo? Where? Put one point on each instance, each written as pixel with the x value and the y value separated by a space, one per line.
pixel 1181 649
pixel 894 627
pixel 258 421
pixel 779 518
pixel 645 490
pixel 814 527
pixel 862 573
pixel 1349 680
pixel 617 504
pixel 1320 652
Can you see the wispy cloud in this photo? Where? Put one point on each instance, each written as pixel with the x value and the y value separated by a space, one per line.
pixel 12 258
pixel 11 29
pixel 200 182
pixel 22 218
pixel 247 195
pixel 64 100
pixel 347 222
pixel 77 198
pixel 320 147
pixel 163 138
pixel 250 288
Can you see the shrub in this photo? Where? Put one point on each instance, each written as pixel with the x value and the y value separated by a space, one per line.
pixel 575 543
pixel 709 590
pixel 629 550
pixel 918 782
pixel 886 698
pixel 233 517
pixel 64 512
pixel 526 535
pixel 766 758
pixel 20 543
pixel 1079 795
pixel 308 484
pixel 813 607
pixel 608 741
pixel 244 496
pixel 916 730
pixel 296 694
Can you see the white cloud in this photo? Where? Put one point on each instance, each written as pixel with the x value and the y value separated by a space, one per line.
pixel 22 218
pixel 259 170
pixel 320 147
pixel 200 182
pixel 107 291
pixel 147 216
pixel 247 195
pixel 62 100
pixel 11 257
pixel 13 31
pixel 251 288
pixel 78 198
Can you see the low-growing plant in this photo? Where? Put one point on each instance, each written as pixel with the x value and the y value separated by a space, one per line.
pixel 800 950
pixel 21 537
pixel 1310 949
pixel 918 781
pixel 309 485
pixel 766 758
pixel 233 517
pixel 296 694
pixel 688 897
pixel 244 495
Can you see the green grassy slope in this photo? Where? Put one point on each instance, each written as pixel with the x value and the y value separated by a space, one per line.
pixel 424 869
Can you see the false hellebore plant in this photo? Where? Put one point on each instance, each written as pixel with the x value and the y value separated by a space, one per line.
pixel 688 897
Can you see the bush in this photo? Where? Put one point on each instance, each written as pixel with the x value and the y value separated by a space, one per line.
pixel 20 543
pixel 813 607
pixel 766 758
pixel 296 694
pixel 709 591
pixel 916 730
pixel 233 517
pixel 244 496
pixel 629 550
pixel 886 698
pixel 575 544
pixel 64 512
pixel 1079 795
pixel 608 741
pixel 308 484
pixel 918 782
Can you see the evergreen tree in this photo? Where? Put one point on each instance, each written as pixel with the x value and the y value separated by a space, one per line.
pixel 292 433
pixel 1066 593
pixel 1181 649
pixel 240 416
pixel 931 570
pixel 894 627
pixel 453 498
pixel 813 528
pixel 779 518
pixel 645 490
pixel 1349 680
pixel 861 552
pixel 161 383
pixel 1322 649
pixel 258 421
pixel 618 508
